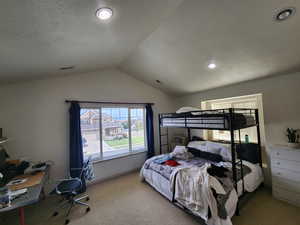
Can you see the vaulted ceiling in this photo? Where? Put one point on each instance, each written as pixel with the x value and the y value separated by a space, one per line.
pixel 172 41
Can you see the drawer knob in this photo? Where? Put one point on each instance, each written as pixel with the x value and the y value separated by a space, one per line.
pixel 278 163
pixel 277 153
pixel 278 173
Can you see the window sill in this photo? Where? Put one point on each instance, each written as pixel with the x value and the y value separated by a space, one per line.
pixel 125 155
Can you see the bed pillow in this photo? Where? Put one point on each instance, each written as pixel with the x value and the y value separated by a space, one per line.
pixel 222 149
pixel 225 151
pixel 213 147
pixel 181 152
pixel 205 155
pixel 187 109
pixel 200 145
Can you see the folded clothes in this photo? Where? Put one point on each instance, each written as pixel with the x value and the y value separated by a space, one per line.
pixel 162 159
pixel 171 162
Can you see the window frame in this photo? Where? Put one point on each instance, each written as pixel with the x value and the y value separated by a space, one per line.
pixel 99 157
pixel 236 100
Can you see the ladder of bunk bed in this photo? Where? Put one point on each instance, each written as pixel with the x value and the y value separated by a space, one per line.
pixel 233 156
pixel 258 137
pixel 161 135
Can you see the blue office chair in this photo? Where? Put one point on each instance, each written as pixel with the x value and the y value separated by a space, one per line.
pixel 70 188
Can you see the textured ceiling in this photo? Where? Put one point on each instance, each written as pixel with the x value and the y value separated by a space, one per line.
pixel 37 37
pixel 170 40
pixel 240 36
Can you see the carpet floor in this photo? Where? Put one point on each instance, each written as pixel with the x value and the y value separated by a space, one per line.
pixel 127 201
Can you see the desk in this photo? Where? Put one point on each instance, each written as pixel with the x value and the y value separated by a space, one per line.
pixel 32 196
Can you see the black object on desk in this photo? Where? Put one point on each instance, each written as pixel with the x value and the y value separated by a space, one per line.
pixel 32 196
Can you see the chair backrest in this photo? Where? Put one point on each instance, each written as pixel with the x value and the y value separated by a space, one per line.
pixel 88 171
pixel 85 167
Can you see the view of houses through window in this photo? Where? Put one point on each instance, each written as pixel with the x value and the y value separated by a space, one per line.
pixel 112 131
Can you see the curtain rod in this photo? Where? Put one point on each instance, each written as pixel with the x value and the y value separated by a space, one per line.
pixel 117 103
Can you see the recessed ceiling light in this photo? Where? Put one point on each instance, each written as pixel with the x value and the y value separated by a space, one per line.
pixel 104 13
pixel 284 14
pixel 212 66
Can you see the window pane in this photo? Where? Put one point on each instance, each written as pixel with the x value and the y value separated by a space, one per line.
pixel 251 131
pixel 115 131
pixel 225 135
pixel 219 134
pixel 137 129
pixel 89 120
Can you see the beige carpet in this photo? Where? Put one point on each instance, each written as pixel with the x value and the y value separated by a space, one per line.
pixel 127 201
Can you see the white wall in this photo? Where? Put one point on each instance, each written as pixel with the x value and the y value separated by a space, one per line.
pixel 34 115
pixel 281 103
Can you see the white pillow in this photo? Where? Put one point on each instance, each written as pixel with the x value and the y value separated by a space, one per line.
pixel 187 109
pixel 181 152
pixel 178 150
pixel 205 146
pixel 213 147
pixel 224 149
pixel 200 145
pixel 221 149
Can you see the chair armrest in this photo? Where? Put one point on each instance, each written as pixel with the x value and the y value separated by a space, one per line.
pixel 60 180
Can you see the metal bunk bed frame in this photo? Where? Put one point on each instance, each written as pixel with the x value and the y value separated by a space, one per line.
pixel 227 114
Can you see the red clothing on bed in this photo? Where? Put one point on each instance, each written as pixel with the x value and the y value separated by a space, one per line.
pixel 171 162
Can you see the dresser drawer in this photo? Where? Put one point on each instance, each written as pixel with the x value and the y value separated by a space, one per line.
pixel 286 164
pixel 286 174
pixel 286 195
pixel 286 154
pixel 290 185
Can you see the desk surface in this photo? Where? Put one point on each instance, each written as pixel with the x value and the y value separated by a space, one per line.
pixel 32 195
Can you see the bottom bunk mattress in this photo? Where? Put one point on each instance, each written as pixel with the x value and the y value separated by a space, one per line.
pixel 160 181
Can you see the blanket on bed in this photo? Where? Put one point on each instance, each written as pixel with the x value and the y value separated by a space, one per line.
pixel 194 190
pixel 192 166
pixel 167 171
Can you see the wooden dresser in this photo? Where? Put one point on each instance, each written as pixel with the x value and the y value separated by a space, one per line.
pixel 285 166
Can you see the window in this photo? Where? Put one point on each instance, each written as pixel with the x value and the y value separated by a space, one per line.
pixel 253 101
pixel 112 131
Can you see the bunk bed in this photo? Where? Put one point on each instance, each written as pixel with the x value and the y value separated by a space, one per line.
pixel 232 120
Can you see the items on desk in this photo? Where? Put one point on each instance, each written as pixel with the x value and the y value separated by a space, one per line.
pixel 36 168
pixel 18 193
pixel 31 180
pixel 16 181
pixel 4 197
pixel 10 169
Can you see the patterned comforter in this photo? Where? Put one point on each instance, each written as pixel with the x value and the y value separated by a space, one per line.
pixel 227 182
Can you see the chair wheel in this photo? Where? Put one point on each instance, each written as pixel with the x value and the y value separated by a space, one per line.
pixel 55 214
pixel 67 221
pixel 88 209
pixel 87 199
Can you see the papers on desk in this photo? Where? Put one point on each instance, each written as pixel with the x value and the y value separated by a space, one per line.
pixel 5 199
pixel 4 202
pixel 15 194
pixel 31 170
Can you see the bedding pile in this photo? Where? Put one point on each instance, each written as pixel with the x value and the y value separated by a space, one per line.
pixel 202 194
pixel 199 178
pixel 198 184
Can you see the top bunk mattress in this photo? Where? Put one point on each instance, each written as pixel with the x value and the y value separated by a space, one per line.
pixel 207 121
